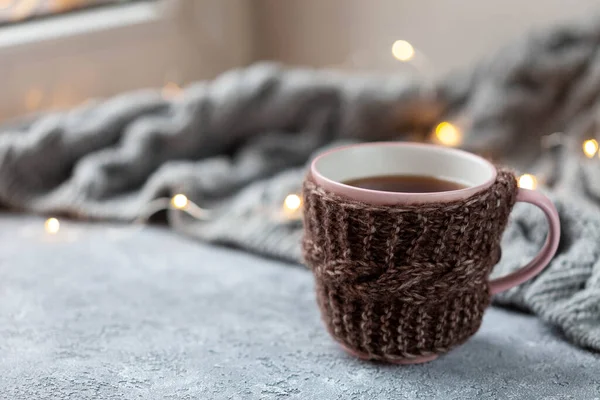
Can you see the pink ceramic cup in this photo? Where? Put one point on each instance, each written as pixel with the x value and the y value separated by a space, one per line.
pixel 339 165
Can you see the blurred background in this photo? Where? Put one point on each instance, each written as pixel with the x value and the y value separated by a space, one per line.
pixel 55 54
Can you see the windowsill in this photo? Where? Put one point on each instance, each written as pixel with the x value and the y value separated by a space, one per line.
pixel 91 21
pixel 59 62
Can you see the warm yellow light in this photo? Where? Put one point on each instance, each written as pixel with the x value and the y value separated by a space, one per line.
pixel 447 134
pixel 171 90
pixel 52 226
pixel 179 201
pixel 527 181
pixel 292 202
pixel 402 50
pixel 590 147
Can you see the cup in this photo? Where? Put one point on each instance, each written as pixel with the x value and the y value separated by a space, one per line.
pixel 404 277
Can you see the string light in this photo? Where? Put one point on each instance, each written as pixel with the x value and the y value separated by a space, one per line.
pixel 292 202
pixel 590 148
pixel 527 181
pixel 52 226
pixel 448 134
pixel 403 51
pixel 291 207
pixel 180 201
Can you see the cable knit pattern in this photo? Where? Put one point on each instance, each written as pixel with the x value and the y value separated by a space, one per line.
pixel 401 282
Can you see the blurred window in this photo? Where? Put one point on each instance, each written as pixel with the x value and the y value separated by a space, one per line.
pixel 58 54
pixel 14 11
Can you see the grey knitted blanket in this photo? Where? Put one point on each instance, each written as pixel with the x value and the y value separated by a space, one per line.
pixel 240 144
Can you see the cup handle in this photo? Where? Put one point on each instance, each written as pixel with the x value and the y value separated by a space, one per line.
pixel 540 261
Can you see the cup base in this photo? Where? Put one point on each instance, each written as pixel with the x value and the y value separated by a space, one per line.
pixel 400 361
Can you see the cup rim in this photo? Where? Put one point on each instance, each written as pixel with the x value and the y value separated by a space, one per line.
pixel 380 197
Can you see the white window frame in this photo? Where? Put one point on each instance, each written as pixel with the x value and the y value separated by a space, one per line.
pixel 62 61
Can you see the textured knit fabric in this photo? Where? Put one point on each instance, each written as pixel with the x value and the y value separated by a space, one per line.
pixel 239 145
pixel 397 282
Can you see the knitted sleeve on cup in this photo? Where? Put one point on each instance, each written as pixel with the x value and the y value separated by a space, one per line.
pixel 404 281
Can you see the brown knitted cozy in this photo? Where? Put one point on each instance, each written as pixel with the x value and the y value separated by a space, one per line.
pixel 397 282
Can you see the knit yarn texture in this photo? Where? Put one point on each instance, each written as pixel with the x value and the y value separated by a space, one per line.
pixel 397 282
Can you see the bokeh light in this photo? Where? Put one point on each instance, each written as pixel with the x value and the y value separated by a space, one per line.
pixel 590 148
pixel 179 201
pixel 402 50
pixel 527 181
pixel 292 202
pixel 52 226
pixel 448 134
